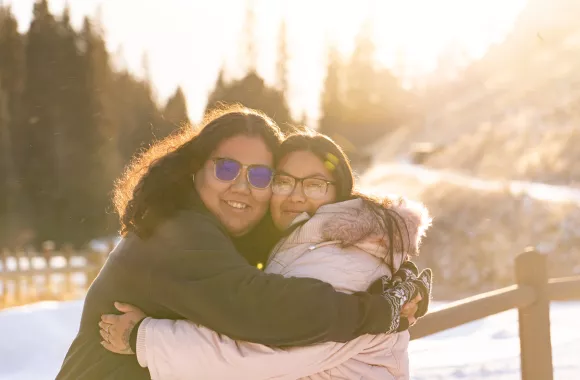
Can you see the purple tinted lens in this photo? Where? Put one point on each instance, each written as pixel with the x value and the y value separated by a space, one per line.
pixel 227 170
pixel 260 176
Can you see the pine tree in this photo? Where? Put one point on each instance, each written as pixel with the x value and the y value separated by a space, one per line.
pixel 101 162
pixel 249 53
pixel 283 57
pixel 39 128
pixel 137 114
pixel 252 91
pixel 331 98
pixel 175 112
pixel 373 96
pixel 68 123
pixel 12 216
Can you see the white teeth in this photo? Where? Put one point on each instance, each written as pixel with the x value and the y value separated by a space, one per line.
pixel 237 205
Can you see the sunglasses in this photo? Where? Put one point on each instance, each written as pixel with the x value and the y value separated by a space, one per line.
pixel 228 170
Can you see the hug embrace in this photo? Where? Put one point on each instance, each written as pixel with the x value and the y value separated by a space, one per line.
pixel 184 295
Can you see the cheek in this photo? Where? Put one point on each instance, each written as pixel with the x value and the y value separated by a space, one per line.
pixel 276 204
pixel 207 183
pixel 262 197
pixel 316 204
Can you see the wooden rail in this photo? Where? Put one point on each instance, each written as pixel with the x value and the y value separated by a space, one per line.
pixel 27 277
pixel 531 296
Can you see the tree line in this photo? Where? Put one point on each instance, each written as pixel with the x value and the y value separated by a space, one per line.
pixel 70 120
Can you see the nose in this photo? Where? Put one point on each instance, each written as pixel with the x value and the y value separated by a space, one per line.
pixel 298 194
pixel 241 184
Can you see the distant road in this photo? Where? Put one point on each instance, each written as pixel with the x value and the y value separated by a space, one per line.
pixel 397 176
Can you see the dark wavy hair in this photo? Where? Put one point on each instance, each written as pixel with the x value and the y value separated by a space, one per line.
pixel 337 162
pixel 158 182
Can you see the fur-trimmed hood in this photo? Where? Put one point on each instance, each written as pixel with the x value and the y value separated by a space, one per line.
pixel 353 223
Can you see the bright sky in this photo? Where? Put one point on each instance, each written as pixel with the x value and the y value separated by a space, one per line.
pixel 187 41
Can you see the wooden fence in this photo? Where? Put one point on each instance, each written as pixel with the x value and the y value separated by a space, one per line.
pixel 531 296
pixel 26 278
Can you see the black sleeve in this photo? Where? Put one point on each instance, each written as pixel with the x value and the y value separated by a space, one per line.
pixel 205 280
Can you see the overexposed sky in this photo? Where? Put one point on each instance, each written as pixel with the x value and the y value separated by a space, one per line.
pixel 187 41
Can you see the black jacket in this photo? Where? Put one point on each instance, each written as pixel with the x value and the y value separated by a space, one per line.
pixel 190 269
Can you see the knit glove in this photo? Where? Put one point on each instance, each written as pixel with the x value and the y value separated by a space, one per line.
pixel 402 288
pixel 397 296
pixel 423 281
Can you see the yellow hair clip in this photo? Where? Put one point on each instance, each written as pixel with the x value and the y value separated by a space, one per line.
pixel 332 158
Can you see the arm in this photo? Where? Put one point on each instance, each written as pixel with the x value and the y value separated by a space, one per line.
pixel 182 350
pixel 203 279
pixel 177 349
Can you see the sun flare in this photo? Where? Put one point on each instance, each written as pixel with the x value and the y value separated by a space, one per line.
pixel 412 37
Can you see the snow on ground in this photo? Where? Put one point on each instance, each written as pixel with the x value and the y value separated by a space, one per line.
pixel 489 348
pixel 34 340
pixel 381 175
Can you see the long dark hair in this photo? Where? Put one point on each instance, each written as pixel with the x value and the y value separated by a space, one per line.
pixel 158 182
pixel 336 161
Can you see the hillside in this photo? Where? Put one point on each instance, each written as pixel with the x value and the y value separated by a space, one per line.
pixel 512 114
pixel 478 231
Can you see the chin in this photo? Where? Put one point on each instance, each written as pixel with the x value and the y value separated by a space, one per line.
pixel 240 230
pixel 282 225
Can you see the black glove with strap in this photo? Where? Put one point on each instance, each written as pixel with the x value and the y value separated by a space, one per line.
pixel 408 272
pixel 403 287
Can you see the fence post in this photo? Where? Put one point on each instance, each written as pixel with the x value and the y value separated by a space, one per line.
pixel 68 251
pixel 31 288
pixel 18 291
pixel 48 248
pixel 534 320
pixel 4 279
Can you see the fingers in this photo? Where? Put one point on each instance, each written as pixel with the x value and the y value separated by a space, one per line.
pixel 409 310
pixel 110 318
pixel 104 335
pixel 105 326
pixel 125 307
pixel 417 299
pixel 107 345
pixel 410 306
pixel 110 347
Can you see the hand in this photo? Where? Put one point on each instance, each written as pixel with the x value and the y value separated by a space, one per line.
pixel 408 272
pixel 405 288
pixel 116 329
pixel 425 283
pixel 409 309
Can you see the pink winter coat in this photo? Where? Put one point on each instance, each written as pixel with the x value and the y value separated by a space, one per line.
pixel 183 350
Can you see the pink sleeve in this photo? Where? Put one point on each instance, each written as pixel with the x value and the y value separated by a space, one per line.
pixel 183 350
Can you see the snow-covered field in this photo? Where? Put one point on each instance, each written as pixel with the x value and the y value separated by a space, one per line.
pixel 34 339
pixel 380 177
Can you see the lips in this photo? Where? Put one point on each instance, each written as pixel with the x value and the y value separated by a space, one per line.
pixel 237 205
pixel 294 211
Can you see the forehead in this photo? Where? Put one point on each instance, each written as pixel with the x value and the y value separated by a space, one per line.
pixel 304 164
pixel 249 150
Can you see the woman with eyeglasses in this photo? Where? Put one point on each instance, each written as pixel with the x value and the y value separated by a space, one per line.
pixel 333 234
pixel 184 205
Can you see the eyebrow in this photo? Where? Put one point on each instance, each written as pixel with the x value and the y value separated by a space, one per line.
pixel 315 175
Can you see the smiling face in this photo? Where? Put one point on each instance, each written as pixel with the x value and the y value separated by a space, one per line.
pixel 300 164
pixel 236 204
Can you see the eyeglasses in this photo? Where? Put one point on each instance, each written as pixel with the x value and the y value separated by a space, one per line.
pixel 228 170
pixel 314 188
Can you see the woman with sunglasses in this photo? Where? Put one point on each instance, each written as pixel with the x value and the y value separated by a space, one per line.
pixel 183 205
pixel 333 234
